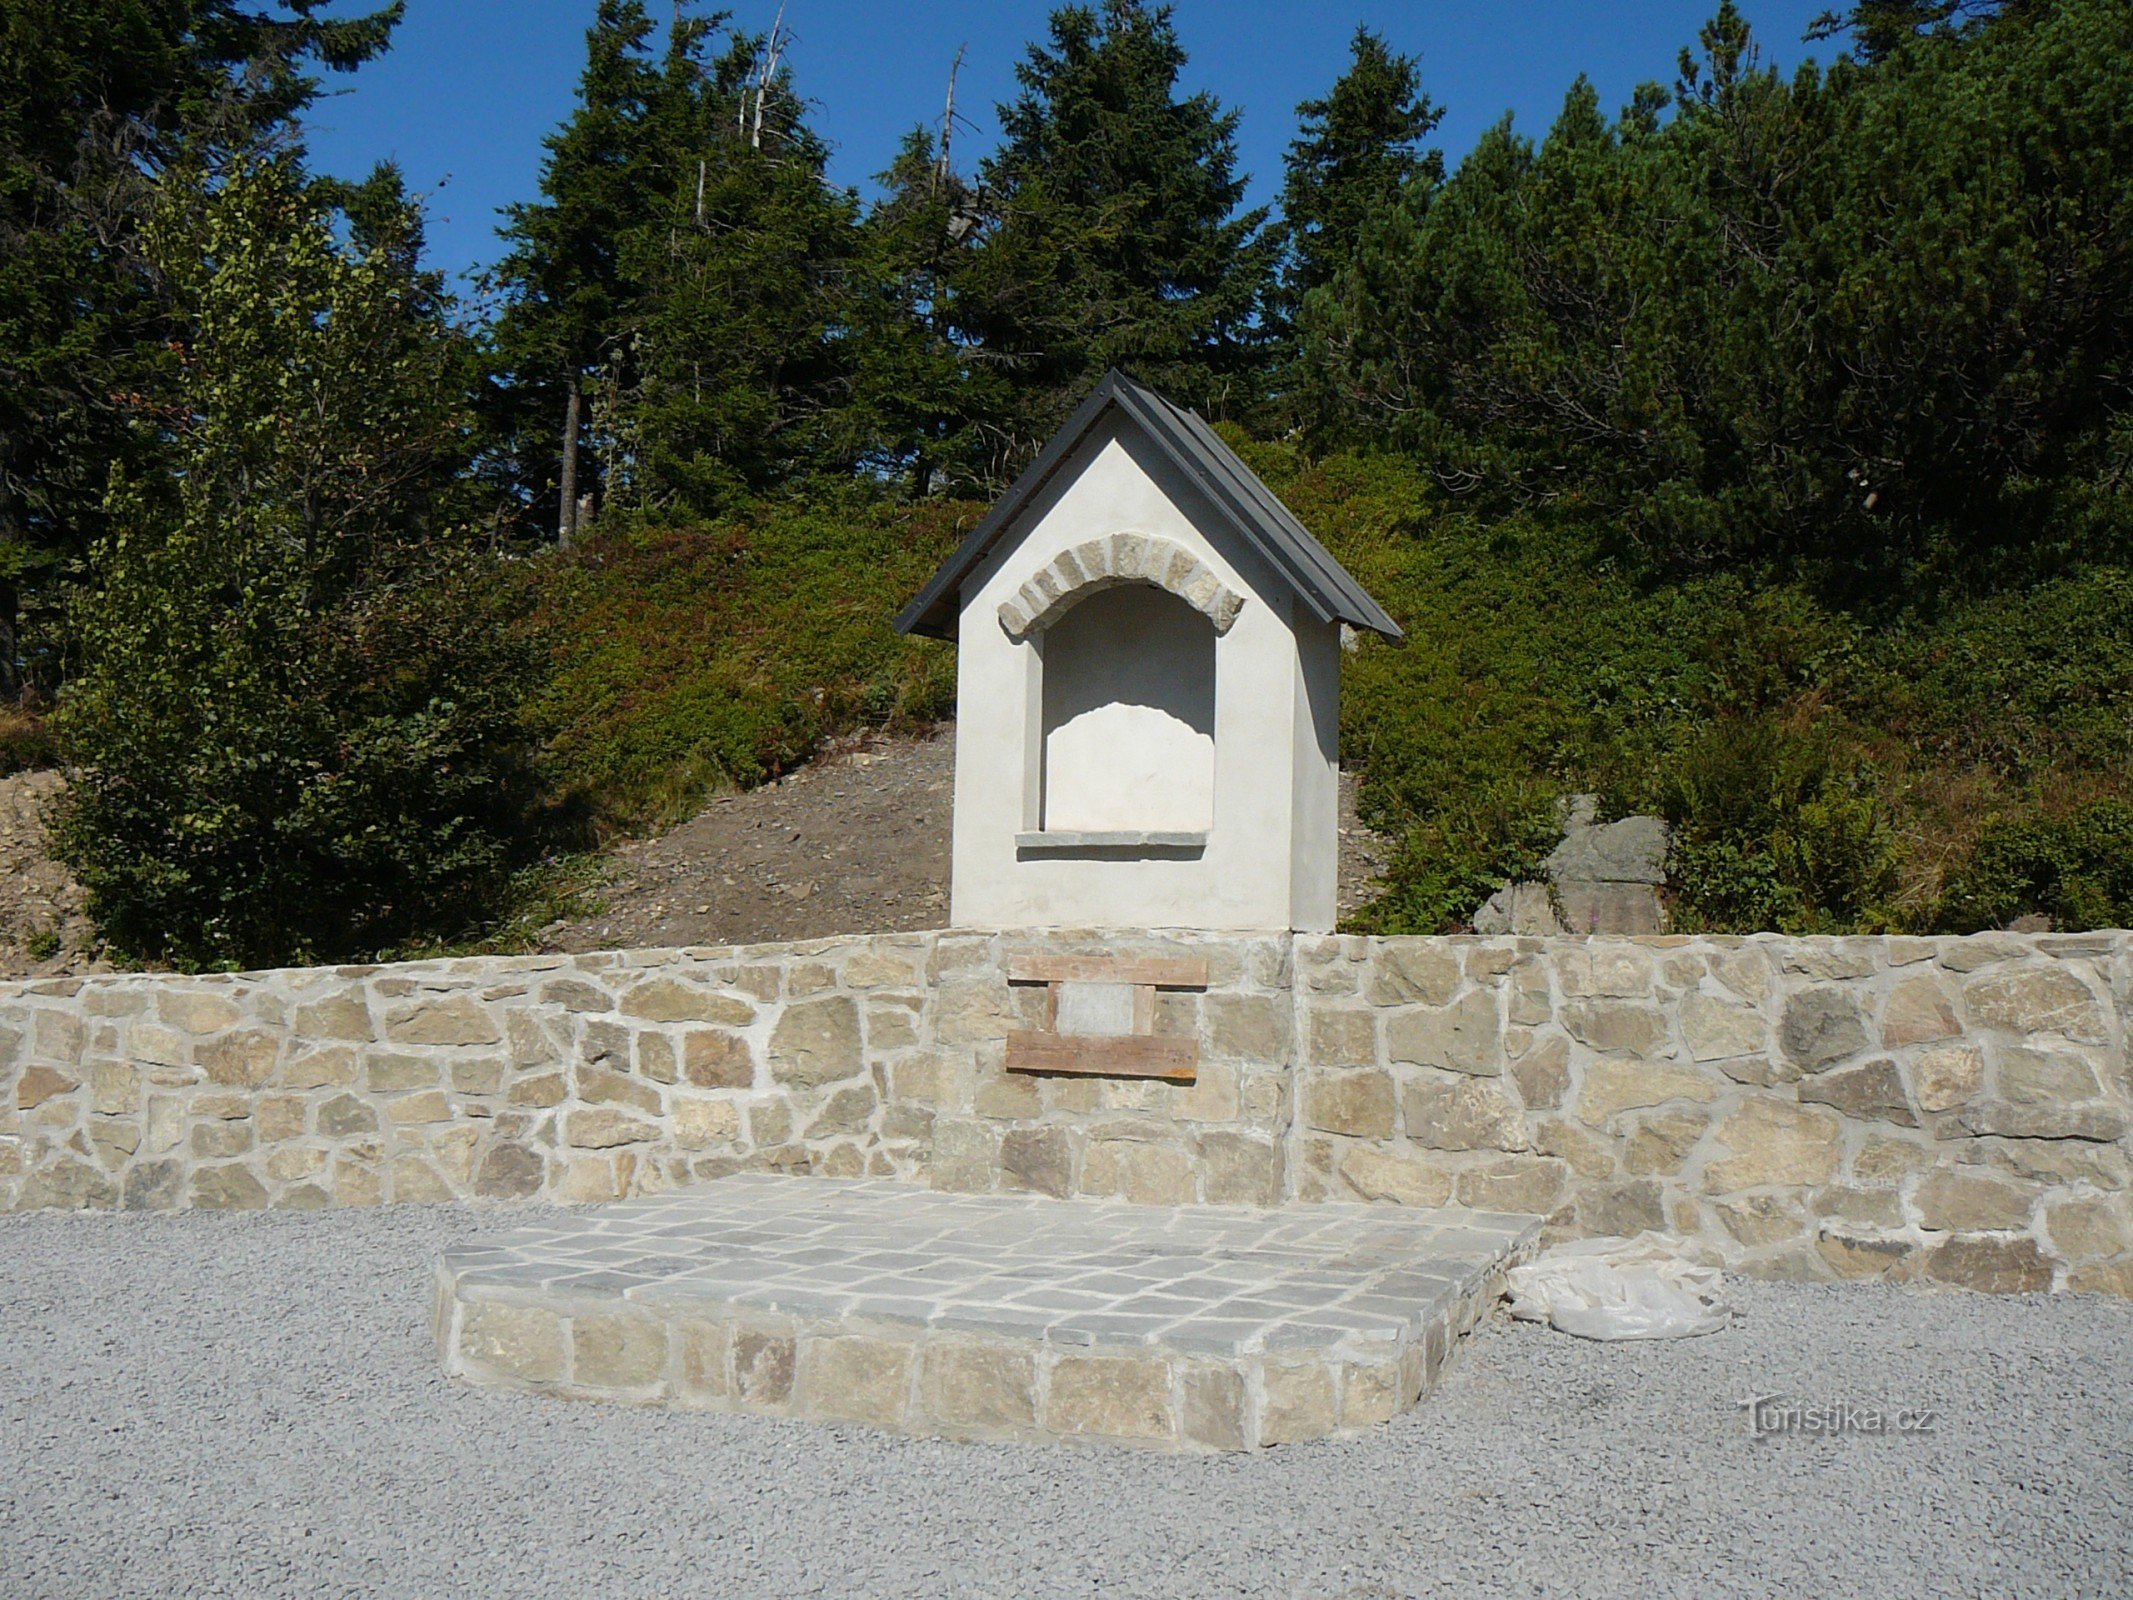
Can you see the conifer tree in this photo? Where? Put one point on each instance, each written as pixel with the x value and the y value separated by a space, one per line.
pixel 1859 320
pixel 679 300
pixel 1118 240
pixel 926 407
pixel 1357 156
pixel 741 370
pixel 567 300
pixel 1879 28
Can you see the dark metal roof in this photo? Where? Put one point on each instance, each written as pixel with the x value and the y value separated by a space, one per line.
pixel 1249 506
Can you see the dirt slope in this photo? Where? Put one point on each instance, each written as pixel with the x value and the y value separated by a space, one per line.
pixel 43 929
pixel 856 841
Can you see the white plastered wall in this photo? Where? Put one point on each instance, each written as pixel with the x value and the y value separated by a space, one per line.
pixel 1269 858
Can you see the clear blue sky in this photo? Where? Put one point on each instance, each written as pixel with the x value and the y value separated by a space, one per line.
pixel 471 86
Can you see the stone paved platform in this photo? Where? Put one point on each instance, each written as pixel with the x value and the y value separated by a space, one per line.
pixel 981 1316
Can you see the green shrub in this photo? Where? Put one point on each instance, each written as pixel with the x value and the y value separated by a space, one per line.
pixel 260 789
pixel 298 719
pixel 1449 861
pixel 1807 756
pixel 2019 680
pixel 1773 830
pixel 1838 856
pixel 693 658
pixel 1796 747
pixel 2077 870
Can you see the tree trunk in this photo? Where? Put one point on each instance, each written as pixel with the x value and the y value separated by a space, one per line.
pixel 566 532
pixel 13 537
pixel 11 681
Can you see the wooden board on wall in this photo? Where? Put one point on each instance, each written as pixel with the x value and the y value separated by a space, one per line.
pixel 1157 971
pixel 1116 1056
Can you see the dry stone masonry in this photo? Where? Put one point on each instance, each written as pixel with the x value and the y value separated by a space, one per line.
pixel 1934 1110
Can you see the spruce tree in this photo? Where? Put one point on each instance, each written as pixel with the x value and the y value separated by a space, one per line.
pixel 1118 241
pixel 1401 339
pixel 927 408
pixel 1358 155
pixel 1880 28
pixel 744 271
pixel 567 300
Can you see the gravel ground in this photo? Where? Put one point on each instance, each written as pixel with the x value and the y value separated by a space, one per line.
pixel 250 1405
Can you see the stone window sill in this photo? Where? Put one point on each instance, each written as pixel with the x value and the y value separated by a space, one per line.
pixel 1063 841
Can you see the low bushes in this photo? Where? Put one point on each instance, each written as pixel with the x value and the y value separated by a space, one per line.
pixel 692 658
pixel 1828 764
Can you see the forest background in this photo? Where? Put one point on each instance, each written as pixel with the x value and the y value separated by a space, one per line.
pixel 1757 452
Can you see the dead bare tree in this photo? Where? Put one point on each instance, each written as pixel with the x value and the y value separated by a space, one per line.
pixel 773 52
pixel 943 168
pixel 566 533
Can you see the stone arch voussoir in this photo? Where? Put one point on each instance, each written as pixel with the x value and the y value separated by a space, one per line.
pixel 1097 564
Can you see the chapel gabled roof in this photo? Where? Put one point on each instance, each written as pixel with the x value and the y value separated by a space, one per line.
pixel 1248 505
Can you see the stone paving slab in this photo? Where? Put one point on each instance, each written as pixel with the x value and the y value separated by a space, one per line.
pixel 981 1316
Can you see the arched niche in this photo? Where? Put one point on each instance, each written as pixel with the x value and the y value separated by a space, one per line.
pixel 1128 718
pixel 1072 575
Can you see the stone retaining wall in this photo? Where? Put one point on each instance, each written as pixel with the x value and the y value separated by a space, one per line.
pixel 1950 1110
pixel 578 1078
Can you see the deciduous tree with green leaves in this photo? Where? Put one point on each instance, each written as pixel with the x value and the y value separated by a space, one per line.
pixel 97 99
pixel 296 726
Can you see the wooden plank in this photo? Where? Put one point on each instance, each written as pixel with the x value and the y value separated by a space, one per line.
pixel 1121 1056
pixel 1162 972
